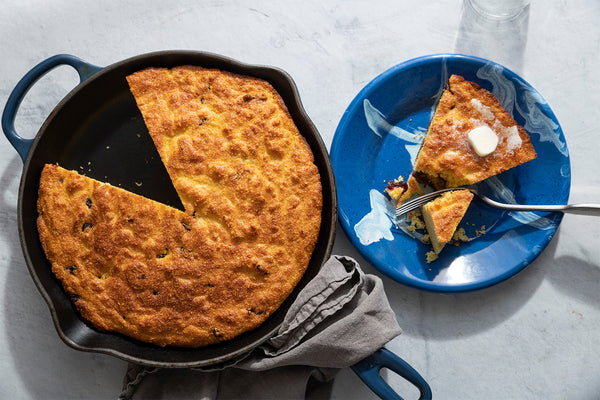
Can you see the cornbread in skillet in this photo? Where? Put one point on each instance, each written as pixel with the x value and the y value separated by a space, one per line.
pixel 231 149
pixel 447 159
pixel 252 198
pixel 236 157
pixel 443 215
pixel 146 270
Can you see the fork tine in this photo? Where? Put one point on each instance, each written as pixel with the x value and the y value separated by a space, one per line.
pixel 419 201
pixel 406 207
pixel 415 203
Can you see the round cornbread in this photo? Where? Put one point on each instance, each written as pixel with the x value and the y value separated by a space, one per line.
pixel 252 197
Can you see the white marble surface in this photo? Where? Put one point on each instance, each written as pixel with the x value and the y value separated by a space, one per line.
pixel 532 337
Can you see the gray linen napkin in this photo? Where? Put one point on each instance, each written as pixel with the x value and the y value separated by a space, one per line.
pixel 339 318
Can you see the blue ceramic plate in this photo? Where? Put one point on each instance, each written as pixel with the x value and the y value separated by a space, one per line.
pixel 376 141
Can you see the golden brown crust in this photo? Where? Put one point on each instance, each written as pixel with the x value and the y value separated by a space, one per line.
pixel 446 158
pixel 443 215
pixel 146 270
pixel 252 198
pixel 230 147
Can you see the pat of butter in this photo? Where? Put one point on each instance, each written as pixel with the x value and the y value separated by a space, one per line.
pixel 483 140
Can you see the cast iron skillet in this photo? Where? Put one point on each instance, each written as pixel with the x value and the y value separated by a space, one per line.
pixel 97 129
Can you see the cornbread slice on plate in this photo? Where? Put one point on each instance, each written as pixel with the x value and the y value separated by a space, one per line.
pixel 443 215
pixel 447 159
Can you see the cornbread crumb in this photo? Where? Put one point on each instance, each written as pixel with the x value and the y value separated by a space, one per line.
pixel 431 256
pixel 396 188
pixel 416 222
pixel 461 235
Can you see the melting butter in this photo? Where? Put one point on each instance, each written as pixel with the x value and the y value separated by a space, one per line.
pixel 483 140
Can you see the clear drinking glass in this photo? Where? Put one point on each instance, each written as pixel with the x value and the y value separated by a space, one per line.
pixel 499 9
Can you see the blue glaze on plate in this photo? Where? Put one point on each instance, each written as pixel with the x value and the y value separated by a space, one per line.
pixel 375 143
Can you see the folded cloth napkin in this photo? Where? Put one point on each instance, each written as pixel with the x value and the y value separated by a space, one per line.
pixel 339 318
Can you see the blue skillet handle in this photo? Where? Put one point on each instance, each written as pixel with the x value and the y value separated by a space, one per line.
pixel 368 370
pixel 22 145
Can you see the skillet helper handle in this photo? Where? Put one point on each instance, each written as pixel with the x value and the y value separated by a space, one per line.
pixel 22 145
pixel 368 370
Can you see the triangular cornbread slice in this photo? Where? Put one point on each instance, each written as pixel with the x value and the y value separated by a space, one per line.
pixel 443 215
pixel 157 274
pixel 446 159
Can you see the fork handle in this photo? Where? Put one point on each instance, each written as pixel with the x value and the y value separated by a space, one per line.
pixel 580 209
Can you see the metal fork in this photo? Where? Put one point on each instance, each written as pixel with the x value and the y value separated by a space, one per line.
pixel 581 209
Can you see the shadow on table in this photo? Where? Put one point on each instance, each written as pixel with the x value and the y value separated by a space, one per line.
pixel 501 41
pixel 423 314
pixel 46 366
pixel 446 316
pixel 576 278
pixel 473 312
